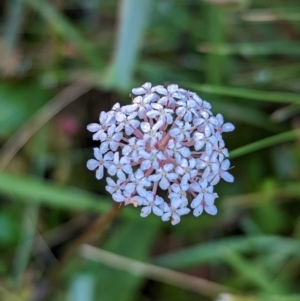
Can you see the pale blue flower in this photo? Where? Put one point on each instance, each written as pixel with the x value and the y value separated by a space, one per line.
pixel 168 139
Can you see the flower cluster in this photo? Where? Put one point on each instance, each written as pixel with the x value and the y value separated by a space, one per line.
pixel 166 138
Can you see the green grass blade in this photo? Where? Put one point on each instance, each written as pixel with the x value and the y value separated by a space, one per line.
pixel 246 115
pixel 12 27
pixel 31 211
pixel 33 190
pixel 216 36
pixel 263 297
pixel 62 27
pixel 269 74
pixel 252 273
pixel 264 143
pixel 23 251
pixel 285 113
pixel 245 93
pixel 248 49
pixel 132 240
pixel 215 251
pixel 132 24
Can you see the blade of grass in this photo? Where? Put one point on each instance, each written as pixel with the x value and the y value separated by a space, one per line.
pixel 251 48
pixel 33 190
pixel 44 114
pixel 264 297
pixel 192 283
pixel 9 296
pixel 215 251
pixel 23 251
pixel 267 74
pixel 134 240
pixel 216 36
pixel 94 230
pixel 133 17
pixel 91 12
pixel 285 113
pixel 36 191
pixel 12 28
pixel 247 115
pixel 264 143
pixel 289 192
pixel 271 15
pixel 31 213
pixel 61 26
pixel 258 297
pixel 255 275
pixel 245 93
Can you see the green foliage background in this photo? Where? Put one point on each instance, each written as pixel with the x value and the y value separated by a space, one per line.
pixel 62 62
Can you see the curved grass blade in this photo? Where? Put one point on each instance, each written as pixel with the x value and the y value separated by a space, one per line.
pixel 246 115
pixel 264 143
pixel 33 190
pixel 215 251
pixel 61 26
pixel 246 93
pixel 254 274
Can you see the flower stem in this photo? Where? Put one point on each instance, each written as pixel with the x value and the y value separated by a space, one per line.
pixel 95 230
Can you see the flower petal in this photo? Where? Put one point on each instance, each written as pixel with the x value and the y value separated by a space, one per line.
pixel 92 164
pixel 212 210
